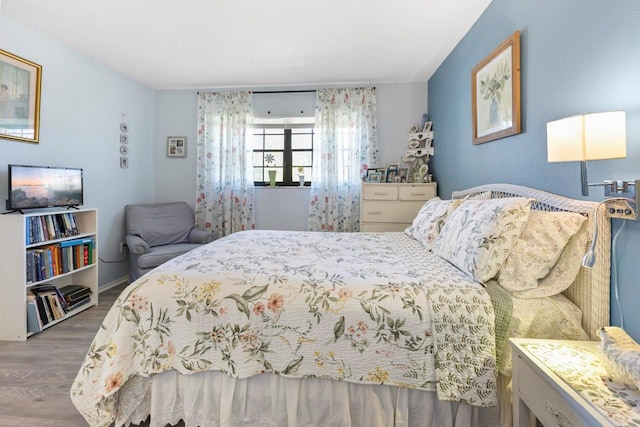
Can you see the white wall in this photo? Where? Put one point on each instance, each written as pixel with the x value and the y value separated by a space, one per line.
pixel 399 106
pixel 82 103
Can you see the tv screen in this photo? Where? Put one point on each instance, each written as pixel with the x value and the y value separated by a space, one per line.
pixel 32 187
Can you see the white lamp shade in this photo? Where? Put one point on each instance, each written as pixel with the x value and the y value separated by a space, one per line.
pixel 587 137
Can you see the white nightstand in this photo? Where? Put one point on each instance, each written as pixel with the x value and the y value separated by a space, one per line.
pixel 392 207
pixel 563 383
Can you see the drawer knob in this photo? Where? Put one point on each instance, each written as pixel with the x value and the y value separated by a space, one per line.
pixel 375 213
pixel 381 193
pixel 562 421
pixel 418 194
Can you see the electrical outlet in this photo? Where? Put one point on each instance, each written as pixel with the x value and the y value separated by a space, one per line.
pixel 122 246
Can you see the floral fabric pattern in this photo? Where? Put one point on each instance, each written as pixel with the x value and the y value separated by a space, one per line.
pixel 347 143
pixel 479 235
pixel 543 239
pixel 224 186
pixel 430 219
pixel 374 308
pixel 566 269
pixel 581 367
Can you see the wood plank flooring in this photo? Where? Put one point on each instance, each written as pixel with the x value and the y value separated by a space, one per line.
pixel 36 375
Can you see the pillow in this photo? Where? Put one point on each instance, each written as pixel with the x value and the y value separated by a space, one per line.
pixel 479 235
pixel 430 220
pixel 566 269
pixel 537 250
pixel 485 195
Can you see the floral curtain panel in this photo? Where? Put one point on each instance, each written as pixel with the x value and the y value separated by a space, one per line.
pixel 345 122
pixel 225 195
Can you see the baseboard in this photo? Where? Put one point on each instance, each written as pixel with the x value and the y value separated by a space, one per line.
pixel 117 282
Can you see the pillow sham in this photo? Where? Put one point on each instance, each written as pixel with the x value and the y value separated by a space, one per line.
pixel 620 355
pixel 430 220
pixel 479 235
pixel 538 249
pixel 563 274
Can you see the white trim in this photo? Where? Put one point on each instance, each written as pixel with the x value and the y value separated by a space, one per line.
pixel 117 282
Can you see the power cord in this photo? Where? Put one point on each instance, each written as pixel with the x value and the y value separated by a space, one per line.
pixel 614 270
pixel 126 258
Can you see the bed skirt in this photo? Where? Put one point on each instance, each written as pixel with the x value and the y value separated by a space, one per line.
pixel 210 399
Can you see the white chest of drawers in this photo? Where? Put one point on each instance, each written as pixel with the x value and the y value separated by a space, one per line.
pixel 392 207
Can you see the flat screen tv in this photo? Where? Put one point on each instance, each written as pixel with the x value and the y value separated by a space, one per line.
pixel 33 187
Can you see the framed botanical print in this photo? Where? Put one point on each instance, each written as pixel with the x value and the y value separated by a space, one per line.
pixel 495 90
pixel 20 82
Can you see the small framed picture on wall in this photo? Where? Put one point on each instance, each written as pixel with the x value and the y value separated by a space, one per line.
pixel 177 146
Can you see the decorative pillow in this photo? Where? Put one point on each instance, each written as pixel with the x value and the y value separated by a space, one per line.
pixel 537 250
pixel 479 235
pixel 620 355
pixel 566 269
pixel 430 220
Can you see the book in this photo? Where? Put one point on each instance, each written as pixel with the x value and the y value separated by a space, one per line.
pixel 34 324
pixel 80 303
pixel 74 293
pixel 46 288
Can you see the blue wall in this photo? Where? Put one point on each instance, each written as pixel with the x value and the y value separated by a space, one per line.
pixel 576 56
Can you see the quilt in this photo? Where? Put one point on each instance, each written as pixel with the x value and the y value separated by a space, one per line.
pixel 373 308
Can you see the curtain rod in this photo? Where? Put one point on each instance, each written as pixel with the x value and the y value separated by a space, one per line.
pixel 282 91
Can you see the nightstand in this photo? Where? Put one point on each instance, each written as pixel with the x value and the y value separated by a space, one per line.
pixel 392 207
pixel 563 383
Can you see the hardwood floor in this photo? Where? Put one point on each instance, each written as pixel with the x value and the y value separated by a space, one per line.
pixel 36 375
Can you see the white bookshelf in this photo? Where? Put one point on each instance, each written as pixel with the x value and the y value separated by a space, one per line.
pixel 13 269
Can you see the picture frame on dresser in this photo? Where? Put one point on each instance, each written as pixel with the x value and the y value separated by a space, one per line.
pixel 20 87
pixel 392 171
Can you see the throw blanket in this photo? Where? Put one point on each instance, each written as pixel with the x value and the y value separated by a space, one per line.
pixel 373 308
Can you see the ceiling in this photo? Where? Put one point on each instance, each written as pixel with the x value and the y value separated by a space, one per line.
pixel 172 44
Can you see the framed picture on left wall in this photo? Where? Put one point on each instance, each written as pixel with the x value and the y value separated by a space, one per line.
pixel 177 146
pixel 20 82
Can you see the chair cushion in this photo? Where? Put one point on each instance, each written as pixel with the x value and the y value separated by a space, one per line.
pixel 161 254
pixel 160 223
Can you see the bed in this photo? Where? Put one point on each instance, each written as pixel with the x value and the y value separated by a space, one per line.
pixel 350 329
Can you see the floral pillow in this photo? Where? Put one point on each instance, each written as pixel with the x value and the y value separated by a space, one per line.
pixel 479 235
pixel 430 220
pixel 566 269
pixel 620 355
pixel 537 250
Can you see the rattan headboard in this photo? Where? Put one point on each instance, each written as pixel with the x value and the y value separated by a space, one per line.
pixel 590 290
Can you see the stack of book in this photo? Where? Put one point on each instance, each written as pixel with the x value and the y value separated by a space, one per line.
pixel 45 304
pixel 50 227
pixel 75 296
pixel 48 261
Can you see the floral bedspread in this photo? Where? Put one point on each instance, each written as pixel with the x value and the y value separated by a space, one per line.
pixel 373 308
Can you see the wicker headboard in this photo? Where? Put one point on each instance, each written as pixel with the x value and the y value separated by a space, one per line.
pixel 590 290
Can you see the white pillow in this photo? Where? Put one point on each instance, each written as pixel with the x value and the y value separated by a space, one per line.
pixel 537 250
pixel 566 269
pixel 430 220
pixel 479 235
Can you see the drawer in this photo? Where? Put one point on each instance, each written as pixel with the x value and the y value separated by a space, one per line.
pixel 384 226
pixel 418 192
pixel 550 408
pixel 380 192
pixel 374 211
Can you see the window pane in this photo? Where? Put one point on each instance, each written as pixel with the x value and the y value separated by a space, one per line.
pixel 301 130
pixel 257 174
pixel 257 158
pixel 306 172
pixel 257 142
pixel 274 142
pixel 299 142
pixel 301 158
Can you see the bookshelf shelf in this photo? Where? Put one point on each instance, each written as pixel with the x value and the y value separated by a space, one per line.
pixel 17 232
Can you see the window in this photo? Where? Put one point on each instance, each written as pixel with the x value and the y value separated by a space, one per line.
pixel 284 147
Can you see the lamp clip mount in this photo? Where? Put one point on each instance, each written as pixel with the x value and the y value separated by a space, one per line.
pixel 621 198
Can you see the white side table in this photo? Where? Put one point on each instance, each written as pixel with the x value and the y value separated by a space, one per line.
pixel 563 383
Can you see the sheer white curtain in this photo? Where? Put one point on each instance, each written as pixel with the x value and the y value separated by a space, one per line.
pixel 225 196
pixel 345 124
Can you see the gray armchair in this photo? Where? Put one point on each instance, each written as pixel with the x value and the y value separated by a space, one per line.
pixel 158 232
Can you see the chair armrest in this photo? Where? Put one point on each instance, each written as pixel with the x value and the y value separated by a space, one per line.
pixel 200 236
pixel 136 245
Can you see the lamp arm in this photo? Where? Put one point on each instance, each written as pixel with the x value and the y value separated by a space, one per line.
pixel 589 258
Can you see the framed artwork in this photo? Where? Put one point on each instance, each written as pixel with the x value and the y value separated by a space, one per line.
pixel 383 174
pixel 403 175
pixel 375 176
pixel 392 171
pixel 177 146
pixel 495 91
pixel 370 173
pixel 20 82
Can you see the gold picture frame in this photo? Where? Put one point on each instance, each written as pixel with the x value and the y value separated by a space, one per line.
pixel 20 85
pixel 495 89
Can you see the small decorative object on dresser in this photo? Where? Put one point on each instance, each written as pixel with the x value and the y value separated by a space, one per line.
pixel 565 383
pixel 392 207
